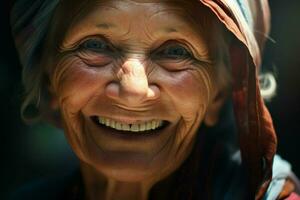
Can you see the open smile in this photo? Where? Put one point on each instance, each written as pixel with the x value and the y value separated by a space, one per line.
pixel 141 127
pixel 134 127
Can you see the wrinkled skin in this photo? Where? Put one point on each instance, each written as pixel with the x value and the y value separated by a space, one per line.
pixel 131 61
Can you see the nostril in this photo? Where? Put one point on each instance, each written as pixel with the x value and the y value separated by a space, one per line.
pixel 129 94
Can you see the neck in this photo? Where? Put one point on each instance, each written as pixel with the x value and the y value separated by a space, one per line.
pixel 122 190
pixel 97 187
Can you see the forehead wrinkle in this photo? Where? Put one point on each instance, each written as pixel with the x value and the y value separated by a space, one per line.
pixel 150 34
pixel 178 28
pixel 137 36
pixel 86 24
pixel 171 13
pixel 191 12
pixel 184 16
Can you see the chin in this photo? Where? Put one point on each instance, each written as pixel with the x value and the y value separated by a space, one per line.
pixel 127 166
pixel 128 157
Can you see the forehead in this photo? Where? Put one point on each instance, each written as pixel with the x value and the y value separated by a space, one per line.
pixel 118 17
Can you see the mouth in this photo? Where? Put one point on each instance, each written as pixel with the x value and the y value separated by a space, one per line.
pixel 137 127
pixel 127 141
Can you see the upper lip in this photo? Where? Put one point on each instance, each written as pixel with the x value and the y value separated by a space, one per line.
pixel 130 117
pixel 141 108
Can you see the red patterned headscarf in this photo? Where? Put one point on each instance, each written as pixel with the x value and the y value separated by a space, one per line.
pixel 249 21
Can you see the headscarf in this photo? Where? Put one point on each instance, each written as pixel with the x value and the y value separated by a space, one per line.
pixel 249 21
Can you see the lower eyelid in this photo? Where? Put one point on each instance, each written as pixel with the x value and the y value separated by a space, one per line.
pixel 95 64
pixel 95 60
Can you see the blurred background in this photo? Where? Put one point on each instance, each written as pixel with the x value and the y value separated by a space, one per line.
pixel 30 152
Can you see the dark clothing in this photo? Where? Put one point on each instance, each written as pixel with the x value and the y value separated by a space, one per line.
pixel 67 187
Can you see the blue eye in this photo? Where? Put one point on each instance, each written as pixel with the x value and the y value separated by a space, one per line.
pixel 174 52
pixel 97 45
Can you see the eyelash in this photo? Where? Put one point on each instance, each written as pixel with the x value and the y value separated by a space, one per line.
pixel 84 45
pixel 159 53
pixel 162 53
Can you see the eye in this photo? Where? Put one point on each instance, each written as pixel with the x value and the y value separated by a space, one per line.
pixel 174 52
pixel 96 45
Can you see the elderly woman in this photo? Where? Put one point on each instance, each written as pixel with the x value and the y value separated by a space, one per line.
pixel 142 90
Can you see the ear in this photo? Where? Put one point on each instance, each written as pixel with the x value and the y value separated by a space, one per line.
pixel 214 108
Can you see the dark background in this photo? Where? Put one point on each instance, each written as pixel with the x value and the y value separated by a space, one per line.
pixel 29 152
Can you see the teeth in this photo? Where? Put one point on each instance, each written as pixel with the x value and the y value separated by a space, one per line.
pixel 134 127
pixel 107 122
pixel 143 126
pixel 118 126
pixel 113 124
pixel 153 125
pixel 125 127
pixel 102 121
pixel 149 125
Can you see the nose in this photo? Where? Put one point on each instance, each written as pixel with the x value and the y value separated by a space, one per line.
pixel 132 88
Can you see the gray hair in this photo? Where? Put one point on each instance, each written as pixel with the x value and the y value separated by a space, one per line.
pixel 29 21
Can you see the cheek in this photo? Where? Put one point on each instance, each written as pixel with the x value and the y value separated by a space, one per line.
pixel 74 83
pixel 190 92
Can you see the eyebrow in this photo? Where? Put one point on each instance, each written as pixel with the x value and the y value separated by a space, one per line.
pixel 170 30
pixel 105 26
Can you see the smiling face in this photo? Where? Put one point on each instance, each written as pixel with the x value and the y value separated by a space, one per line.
pixel 133 81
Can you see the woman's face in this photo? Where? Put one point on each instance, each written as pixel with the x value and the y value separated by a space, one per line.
pixel 133 82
